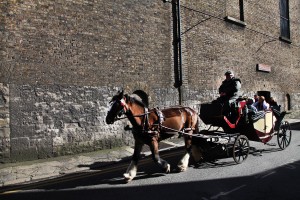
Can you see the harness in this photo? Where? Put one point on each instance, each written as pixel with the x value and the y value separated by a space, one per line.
pixel 154 129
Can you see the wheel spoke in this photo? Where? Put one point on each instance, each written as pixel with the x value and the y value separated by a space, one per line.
pixel 246 149
pixel 284 135
pixel 244 143
pixel 240 149
pixel 244 156
pixel 283 142
pixel 287 140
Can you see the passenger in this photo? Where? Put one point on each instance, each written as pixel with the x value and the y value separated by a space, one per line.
pixel 272 102
pixel 255 98
pixel 261 104
pixel 250 105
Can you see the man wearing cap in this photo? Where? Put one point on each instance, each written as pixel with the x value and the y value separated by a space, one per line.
pixel 229 90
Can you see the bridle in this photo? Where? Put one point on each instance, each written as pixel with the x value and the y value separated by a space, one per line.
pixel 125 110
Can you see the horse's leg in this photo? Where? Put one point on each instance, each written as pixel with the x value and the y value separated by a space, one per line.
pixel 132 168
pixel 197 153
pixel 198 146
pixel 164 165
pixel 184 162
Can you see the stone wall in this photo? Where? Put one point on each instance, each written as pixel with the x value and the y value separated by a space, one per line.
pixel 59 120
pixel 4 123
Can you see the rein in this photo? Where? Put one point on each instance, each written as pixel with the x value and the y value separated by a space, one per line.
pixel 158 125
pixel 140 115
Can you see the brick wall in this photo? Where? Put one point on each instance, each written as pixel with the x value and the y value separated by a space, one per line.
pixel 215 45
pixel 61 62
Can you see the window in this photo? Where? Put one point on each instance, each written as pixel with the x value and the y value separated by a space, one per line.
pixel 288 102
pixel 284 20
pixel 235 17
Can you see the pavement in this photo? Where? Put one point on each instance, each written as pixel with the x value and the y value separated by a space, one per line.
pixel 38 170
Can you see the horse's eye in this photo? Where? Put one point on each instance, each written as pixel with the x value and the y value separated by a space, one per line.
pixel 111 103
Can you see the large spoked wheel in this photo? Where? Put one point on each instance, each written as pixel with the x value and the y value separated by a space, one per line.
pixel 241 149
pixel 284 135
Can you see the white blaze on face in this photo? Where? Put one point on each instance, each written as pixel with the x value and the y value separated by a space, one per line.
pixel 123 103
pixel 111 105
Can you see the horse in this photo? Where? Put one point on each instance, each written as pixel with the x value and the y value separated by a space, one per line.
pixel 150 126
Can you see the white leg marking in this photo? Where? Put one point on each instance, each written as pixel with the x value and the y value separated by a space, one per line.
pixel 167 167
pixel 183 163
pixel 130 172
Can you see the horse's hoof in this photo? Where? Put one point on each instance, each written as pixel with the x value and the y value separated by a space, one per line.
pixel 181 169
pixel 127 177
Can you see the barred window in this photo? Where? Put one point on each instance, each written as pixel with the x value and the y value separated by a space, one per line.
pixel 284 19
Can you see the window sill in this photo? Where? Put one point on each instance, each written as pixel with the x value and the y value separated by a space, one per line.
pixel 284 39
pixel 235 21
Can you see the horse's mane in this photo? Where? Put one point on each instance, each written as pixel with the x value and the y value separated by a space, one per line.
pixel 139 97
pixel 143 96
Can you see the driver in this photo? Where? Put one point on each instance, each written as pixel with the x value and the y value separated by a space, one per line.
pixel 229 90
pixel 229 93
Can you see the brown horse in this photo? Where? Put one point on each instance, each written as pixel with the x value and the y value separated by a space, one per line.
pixel 153 125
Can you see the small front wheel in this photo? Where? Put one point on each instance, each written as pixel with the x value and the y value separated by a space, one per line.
pixel 284 135
pixel 241 149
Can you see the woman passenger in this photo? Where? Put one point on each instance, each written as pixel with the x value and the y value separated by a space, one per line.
pixel 261 104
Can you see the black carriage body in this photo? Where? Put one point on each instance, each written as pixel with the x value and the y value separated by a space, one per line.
pixel 239 120
pixel 239 125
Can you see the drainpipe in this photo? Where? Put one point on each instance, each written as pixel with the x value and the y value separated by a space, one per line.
pixel 177 47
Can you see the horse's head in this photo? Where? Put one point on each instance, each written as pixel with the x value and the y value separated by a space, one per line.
pixel 118 107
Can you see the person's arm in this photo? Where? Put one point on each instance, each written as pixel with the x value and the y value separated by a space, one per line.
pixel 255 104
pixel 234 87
pixel 266 105
pixel 238 85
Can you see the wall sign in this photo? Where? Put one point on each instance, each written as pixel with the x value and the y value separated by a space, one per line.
pixel 263 68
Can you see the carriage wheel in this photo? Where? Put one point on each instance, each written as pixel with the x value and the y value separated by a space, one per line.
pixel 241 149
pixel 284 135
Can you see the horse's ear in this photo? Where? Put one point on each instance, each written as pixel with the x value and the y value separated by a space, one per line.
pixel 121 94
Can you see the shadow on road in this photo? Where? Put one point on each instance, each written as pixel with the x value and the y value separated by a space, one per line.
pixel 295 126
pixel 104 181
pixel 279 183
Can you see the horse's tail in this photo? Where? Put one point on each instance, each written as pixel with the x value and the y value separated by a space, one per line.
pixel 197 126
pixel 195 122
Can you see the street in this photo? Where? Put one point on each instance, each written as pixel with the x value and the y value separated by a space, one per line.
pixel 269 173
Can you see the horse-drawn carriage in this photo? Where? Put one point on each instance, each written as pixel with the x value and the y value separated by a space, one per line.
pixel 150 126
pixel 238 125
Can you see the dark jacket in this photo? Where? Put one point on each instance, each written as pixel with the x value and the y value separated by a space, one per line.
pixel 230 87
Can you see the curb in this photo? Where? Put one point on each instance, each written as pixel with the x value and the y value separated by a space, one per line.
pixel 31 171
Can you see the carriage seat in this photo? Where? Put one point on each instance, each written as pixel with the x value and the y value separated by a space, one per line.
pixel 213 113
